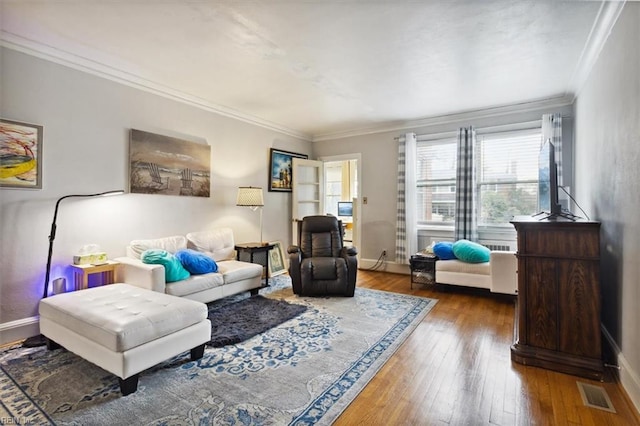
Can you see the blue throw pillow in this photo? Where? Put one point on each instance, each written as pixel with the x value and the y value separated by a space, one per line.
pixel 173 269
pixel 471 252
pixel 444 250
pixel 196 262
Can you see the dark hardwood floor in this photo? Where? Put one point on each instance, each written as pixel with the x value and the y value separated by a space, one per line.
pixel 455 369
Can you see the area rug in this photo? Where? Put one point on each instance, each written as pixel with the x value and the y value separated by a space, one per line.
pixel 239 321
pixel 301 372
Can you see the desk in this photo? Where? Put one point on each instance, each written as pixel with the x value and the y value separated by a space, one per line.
pixel 255 253
pixel 81 274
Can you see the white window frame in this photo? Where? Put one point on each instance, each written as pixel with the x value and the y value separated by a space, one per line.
pixel 441 138
pixel 497 231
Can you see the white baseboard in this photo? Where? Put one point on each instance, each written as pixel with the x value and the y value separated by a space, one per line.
pixel 393 267
pixel 19 329
pixel 628 377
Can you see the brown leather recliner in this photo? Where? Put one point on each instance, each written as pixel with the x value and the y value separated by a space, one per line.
pixel 319 264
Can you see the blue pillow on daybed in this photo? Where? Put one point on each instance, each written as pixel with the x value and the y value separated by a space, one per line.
pixel 173 269
pixel 444 250
pixel 196 262
pixel 471 252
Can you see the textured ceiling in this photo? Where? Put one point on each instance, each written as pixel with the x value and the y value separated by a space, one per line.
pixel 319 68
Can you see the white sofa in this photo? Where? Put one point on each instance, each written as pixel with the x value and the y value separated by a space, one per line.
pixel 232 277
pixel 498 275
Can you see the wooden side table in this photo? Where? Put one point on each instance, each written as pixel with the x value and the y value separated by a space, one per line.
pixel 255 253
pixel 81 273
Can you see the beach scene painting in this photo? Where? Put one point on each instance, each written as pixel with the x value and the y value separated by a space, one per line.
pixel 169 166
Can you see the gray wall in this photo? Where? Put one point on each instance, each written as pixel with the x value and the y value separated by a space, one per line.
pixel 86 123
pixel 608 183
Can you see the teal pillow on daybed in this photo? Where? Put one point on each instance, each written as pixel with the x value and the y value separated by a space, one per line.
pixel 444 250
pixel 471 252
pixel 196 262
pixel 173 269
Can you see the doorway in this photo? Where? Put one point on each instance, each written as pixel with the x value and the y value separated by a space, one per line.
pixel 342 193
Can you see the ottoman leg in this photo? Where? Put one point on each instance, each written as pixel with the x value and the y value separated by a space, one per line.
pixel 197 352
pixel 128 385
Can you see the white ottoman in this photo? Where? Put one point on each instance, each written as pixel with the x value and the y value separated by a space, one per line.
pixel 124 329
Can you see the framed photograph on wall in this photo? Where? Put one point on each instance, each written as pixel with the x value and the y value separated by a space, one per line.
pixel 277 263
pixel 280 169
pixel 20 155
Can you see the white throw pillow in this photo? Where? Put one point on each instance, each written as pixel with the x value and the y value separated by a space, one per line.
pixel 170 244
pixel 217 244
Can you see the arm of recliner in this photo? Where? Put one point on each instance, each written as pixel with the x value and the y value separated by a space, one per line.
pixel 295 259
pixel 349 254
pixel 143 275
pixel 504 277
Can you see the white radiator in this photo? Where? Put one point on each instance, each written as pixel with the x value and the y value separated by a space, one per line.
pixel 497 245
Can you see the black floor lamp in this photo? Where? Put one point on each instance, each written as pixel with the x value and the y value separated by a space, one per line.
pixel 40 340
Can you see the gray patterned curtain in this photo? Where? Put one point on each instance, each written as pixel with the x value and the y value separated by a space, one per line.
pixel 552 130
pixel 465 225
pixel 406 234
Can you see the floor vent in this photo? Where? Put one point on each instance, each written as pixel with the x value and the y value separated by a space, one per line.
pixel 595 397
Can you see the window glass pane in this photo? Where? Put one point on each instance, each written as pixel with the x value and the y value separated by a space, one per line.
pixel 500 202
pixel 436 181
pixel 507 175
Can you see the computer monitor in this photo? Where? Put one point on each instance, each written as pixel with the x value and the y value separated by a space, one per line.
pixel 345 208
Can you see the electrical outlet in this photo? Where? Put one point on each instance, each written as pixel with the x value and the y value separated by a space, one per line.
pixel 384 252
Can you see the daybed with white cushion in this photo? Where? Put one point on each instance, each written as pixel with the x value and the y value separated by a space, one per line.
pixel 232 277
pixel 498 275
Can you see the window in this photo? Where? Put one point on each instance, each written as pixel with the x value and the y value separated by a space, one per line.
pixel 436 181
pixel 507 166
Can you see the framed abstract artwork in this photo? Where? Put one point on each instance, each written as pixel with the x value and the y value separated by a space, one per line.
pixel 169 166
pixel 280 169
pixel 20 155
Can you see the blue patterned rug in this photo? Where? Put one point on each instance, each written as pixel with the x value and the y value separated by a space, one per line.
pixel 304 371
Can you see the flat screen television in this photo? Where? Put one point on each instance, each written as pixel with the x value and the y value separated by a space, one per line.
pixel 548 182
pixel 345 208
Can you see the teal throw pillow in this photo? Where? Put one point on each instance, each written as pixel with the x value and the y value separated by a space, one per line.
pixel 173 269
pixel 444 250
pixel 471 252
pixel 196 262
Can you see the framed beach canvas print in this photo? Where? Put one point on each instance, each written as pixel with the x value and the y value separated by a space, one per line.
pixel 20 155
pixel 280 169
pixel 277 263
pixel 166 165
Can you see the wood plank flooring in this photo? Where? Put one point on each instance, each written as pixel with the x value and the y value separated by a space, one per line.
pixel 455 369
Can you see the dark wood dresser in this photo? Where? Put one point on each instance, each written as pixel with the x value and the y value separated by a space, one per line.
pixel 558 308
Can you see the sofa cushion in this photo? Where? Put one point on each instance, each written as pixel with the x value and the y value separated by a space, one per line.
pixel 196 262
pixel 173 269
pixel 170 244
pixel 218 243
pixel 471 252
pixel 235 270
pixel 444 250
pixel 195 284
pixel 458 266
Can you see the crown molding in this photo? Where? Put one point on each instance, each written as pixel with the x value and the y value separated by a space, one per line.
pixel 49 53
pixel 602 26
pixel 548 103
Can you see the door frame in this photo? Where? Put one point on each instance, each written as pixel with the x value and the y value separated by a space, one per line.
pixel 358 207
